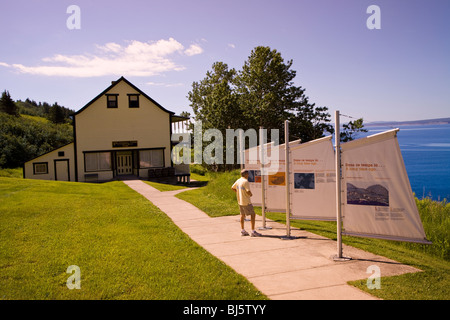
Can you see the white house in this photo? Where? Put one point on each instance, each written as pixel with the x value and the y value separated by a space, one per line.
pixel 122 131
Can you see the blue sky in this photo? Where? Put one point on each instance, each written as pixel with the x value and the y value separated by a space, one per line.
pixel 398 72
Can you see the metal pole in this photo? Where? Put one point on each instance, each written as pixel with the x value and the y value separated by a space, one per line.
pixel 286 163
pixel 263 193
pixel 241 149
pixel 337 138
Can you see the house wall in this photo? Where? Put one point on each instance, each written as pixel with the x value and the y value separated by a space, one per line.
pixel 61 156
pixel 98 126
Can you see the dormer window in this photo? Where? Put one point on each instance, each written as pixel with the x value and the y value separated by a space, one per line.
pixel 111 101
pixel 133 101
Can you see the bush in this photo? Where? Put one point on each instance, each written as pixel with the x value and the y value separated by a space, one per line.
pixel 198 169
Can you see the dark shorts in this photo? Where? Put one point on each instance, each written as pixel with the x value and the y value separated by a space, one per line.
pixel 247 210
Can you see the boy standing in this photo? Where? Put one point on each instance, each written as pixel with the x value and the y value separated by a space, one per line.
pixel 243 194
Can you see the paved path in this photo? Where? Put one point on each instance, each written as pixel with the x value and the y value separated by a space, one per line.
pixel 302 268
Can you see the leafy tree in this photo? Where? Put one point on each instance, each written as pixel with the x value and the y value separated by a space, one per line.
pixel 352 129
pixel 309 122
pixel 56 114
pixel 7 104
pixel 261 94
pixel 266 91
pixel 214 100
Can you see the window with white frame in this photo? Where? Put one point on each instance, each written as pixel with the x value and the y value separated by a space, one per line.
pixel 151 158
pixel 97 161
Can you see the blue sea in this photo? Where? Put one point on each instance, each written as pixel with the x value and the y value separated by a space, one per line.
pixel 426 153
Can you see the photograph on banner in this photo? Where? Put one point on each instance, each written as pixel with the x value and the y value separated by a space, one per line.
pixel 254 176
pixel 367 194
pixel 304 181
pixel 377 196
pixel 276 186
pixel 313 191
pixel 277 179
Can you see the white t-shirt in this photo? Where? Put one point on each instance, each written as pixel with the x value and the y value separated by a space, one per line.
pixel 242 187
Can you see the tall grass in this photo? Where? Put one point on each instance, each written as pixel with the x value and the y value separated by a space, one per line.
pixel 11 173
pixel 435 218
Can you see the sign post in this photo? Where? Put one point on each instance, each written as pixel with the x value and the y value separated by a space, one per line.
pixel 288 191
pixel 337 137
pixel 263 179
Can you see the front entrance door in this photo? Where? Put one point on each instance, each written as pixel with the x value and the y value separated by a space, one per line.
pixel 124 163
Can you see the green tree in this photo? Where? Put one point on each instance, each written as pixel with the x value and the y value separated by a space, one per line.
pixel 261 94
pixel 266 91
pixel 214 100
pixel 215 103
pixel 56 114
pixel 352 129
pixel 8 105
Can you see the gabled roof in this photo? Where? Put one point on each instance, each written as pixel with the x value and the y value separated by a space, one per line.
pixel 114 83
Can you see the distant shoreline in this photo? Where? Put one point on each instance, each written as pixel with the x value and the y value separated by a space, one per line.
pixel 438 121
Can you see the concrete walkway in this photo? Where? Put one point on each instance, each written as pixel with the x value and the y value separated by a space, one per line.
pixel 301 268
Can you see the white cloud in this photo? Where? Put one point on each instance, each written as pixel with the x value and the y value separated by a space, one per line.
pixel 194 49
pixel 232 45
pixel 167 85
pixel 134 59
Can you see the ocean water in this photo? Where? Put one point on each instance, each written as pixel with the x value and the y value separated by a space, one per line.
pixel 426 153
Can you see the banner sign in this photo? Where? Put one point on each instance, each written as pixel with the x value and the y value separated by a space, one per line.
pixel 276 184
pixel 377 196
pixel 254 173
pixel 313 188
pixel 274 179
pixel 312 176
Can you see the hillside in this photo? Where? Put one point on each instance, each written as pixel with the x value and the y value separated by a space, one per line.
pixel 24 137
pixel 409 123
pixel 29 129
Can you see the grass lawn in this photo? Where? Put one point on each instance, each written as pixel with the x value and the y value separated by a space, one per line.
pixel 196 181
pixel 164 187
pixel 125 247
pixel 217 199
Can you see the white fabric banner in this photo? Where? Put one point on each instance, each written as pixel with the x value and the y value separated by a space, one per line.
pixel 276 183
pixel 377 196
pixel 275 167
pixel 253 165
pixel 275 180
pixel 313 176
